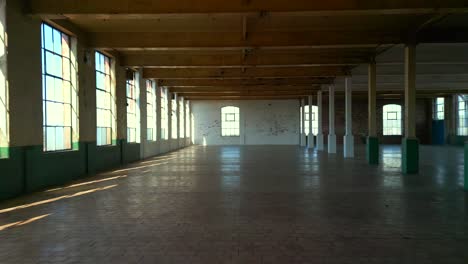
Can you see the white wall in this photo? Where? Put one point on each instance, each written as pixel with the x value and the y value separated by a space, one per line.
pixel 265 122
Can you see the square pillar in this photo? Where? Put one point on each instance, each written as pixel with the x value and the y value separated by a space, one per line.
pixel 372 145
pixel 310 139
pixel 410 144
pixel 331 118
pixel 319 121
pixel 348 139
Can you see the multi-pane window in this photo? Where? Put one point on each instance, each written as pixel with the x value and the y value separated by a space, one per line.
pixel 187 119
pixel 230 121
pixel 307 120
pixel 392 120
pixel 174 118
pixel 150 111
pixel 105 101
pixel 4 124
pixel 59 90
pixel 164 114
pixel 438 108
pixel 462 124
pixel 132 111
pixel 182 119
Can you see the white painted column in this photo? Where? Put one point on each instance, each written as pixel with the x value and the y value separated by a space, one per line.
pixel 302 134
pixel 348 139
pixel 310 142
pixel 331 118
pixel 319 120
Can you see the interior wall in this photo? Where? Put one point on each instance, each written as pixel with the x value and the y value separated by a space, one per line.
pixel 277 122
pixel 262 122
pixel 28 168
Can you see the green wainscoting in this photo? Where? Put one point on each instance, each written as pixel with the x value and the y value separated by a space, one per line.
pixel 29 168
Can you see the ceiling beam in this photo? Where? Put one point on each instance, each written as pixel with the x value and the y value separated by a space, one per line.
pixel 236 60
pixel 204 40
pixel 154 9
pixel 306 88
pixel 242 82
pixel 239 73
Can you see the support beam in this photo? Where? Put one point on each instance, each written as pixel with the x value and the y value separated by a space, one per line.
pixel 310 138
pixel 331 118
pixel 242 82
pixel 372 146
pixel 156 9
pixel 348 139
pixel 237 60
pixel 319 119
pixel 410 144
pixel 302 133
pixel 233 40
pixel 238 73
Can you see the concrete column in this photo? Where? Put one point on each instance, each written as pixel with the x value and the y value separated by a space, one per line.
pixel 331 118
pixel 410 144
pixel 319 120
pixel 310 138
pixel 302 134
pixel 348 139
pixel 372 146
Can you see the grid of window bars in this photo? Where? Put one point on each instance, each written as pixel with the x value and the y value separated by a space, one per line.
pixel 187 119
pixel 164 114
pixel 181 118
pixel 438 108
pixel 4 129
pixel 132 108
pixel 230 121
pixel 174 118
pixel 150 111
pixel 392 125
pixel 105 101
pixel 462 126
pixel 59 90
pixel 306 121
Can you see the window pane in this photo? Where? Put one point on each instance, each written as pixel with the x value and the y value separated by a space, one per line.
pixel 105 104
pixel 392 120
pixel 230 121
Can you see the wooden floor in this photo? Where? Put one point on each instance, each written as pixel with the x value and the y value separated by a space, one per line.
pixel 250 204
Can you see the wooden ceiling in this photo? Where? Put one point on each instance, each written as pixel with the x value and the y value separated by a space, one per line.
pixel 254 49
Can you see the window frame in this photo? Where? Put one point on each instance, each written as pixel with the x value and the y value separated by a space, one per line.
pixel 164 130
pixel 132 97
pixel 305 127
pixel 437 112
pixel 462 119
pixel 64 75
pixel 230 110
pixel 174 118
pixel 151 111
pixel 102 106
pixel 4 96
pixel 389 126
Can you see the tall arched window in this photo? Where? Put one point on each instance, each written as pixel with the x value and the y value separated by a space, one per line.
pixel 230 121
pixel 314 119
pixel 392 120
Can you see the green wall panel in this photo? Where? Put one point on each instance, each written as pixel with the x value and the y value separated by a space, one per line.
pixel 12 181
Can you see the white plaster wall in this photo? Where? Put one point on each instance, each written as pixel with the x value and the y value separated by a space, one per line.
pixel 262 122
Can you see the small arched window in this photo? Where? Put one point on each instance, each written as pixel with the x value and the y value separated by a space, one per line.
pixel 230 121
pixel 392 120
pixel 314 117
